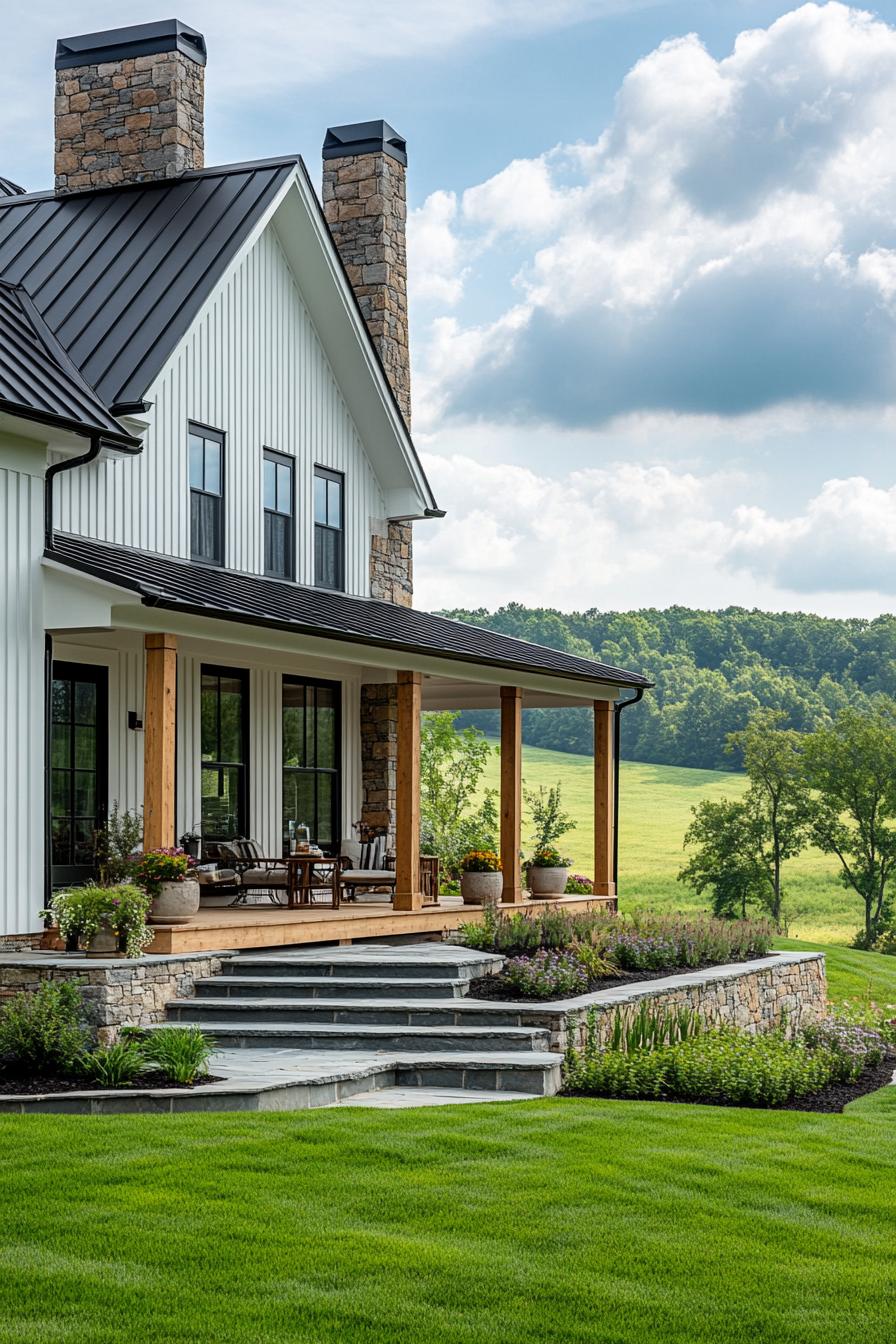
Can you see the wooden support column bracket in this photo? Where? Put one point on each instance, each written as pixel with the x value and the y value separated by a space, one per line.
pixel 511 791
pixel 159 741
pixel 408 894
pixel 604 821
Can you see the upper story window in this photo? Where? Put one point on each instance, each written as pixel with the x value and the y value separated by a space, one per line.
pixel 206 495
pixel 279 515
pixel 329 529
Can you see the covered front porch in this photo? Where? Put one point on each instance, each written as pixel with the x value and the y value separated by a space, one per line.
pixel 352 765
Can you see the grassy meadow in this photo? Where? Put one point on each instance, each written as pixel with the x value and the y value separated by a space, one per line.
pixel 655 809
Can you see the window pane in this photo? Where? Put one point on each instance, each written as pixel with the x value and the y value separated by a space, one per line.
pixel 62 701
pixel 61 793
pixel 85 748
pixel 277 534
pixel 293 724
pixel 284 488
pixel 310 722
pixel 205 512
pixel 270 484
pixel 196 461
pixel 324 829
pixel 84 850
pixel 324 557
pixel 61 744
pixel 320 499
pixel 212 466
pixel 298 799
pixel 221 802
pixel 85 794
pixel 334 503
pixel 231 747
pixel 62 840
pixel 326 728
pixel 85 702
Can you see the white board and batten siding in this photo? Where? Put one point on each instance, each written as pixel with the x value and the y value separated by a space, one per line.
pixel 22 677
pixel 252 367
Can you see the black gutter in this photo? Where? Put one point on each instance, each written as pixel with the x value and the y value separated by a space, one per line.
pixel 93 452
pixel 618 707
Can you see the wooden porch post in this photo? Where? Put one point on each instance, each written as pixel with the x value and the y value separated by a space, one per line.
pixel 511 791
pixel 159 741
pixel 408 895
pixel 604 821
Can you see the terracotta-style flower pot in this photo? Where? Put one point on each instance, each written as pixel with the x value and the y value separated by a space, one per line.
pixel 176 903
pixel 546 884
pixel 478 887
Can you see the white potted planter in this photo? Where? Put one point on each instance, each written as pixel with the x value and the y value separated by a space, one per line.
pixel 176 903
pixel 547 884
pixel 476 888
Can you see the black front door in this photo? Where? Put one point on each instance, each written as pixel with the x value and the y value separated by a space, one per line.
pixel 79 754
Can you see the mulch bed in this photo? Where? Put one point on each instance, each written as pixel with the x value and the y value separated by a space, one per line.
pixel 41 1086
pixel 496 988
pixel 829 1101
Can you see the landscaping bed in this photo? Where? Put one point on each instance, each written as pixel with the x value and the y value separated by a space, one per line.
pixel 498 988
pixel 35 1087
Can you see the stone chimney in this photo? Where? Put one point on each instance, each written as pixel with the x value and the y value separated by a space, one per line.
pixel 365 205
pixel 129 105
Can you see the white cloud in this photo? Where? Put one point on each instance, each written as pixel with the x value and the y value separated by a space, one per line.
pixel 437 272
pixel 707 254
pixel 844 540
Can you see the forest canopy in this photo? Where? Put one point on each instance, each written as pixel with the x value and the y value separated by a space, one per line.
pixel 712 670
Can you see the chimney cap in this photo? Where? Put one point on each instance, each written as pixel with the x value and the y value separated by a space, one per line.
pixel 365 137
pixel 119 44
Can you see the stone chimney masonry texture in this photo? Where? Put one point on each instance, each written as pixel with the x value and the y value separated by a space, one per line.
pixel 365 205
pixel 129 105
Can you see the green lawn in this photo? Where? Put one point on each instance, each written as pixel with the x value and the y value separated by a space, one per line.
pixel 655 809
pixel 546 1221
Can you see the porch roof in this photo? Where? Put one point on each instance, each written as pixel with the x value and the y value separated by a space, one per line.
pixel 177 585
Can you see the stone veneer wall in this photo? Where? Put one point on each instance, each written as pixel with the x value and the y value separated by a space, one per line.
pixel 786 989
pixel 117 993
pixel 379 752
pixel 392 564
pixel 133 120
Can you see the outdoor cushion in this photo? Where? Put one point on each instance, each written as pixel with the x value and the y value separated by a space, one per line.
pixel 264 877
pixel 377 876
pixel 216 876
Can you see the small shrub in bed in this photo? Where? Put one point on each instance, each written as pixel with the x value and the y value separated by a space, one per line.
pixel 114 1065
pixel 547 975
pixel 181 1053
pixel 852 1048
pixel 577 884
pixel 42 1033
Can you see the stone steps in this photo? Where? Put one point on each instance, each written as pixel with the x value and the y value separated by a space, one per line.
pixel 398 1011
pixel 329 987
pixel 358 1036
pixel 368 963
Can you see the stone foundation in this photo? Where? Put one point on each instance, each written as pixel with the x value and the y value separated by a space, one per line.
pixel 379 752
pixel 126 992
pixel 786 989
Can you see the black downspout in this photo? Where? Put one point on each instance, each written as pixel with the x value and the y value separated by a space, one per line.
pixel 618 707
pixel 53 471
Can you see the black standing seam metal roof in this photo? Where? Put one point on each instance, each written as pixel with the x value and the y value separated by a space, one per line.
pixel 249 599
pixel 8 188
pixel 118 275
pixel 38 381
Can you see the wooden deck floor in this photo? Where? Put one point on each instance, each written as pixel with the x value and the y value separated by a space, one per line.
pixel 237 927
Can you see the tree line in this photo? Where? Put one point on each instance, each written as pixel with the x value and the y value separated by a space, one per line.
pixel 713 670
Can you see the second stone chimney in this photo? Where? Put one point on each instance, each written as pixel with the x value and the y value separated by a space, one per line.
pixel 365 206
pixel 129 105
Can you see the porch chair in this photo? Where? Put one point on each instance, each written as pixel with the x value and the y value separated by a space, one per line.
pixel 254 872
pixel 369 872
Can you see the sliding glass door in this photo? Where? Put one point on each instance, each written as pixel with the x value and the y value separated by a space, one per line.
pixel 311 759
pixel 79 757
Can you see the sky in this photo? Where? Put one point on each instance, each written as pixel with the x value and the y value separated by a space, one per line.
pixel 652 263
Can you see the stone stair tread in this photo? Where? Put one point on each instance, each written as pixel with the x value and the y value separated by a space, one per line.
pixel 270 1004
pixel 330 981
pixel 371 1029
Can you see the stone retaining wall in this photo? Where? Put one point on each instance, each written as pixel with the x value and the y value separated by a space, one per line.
pixel 784 989
pixel 118 992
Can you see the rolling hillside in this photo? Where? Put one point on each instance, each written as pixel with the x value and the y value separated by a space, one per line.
pixel 655 808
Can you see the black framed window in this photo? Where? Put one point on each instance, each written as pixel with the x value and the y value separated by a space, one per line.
pixel 79 755
pixel 279 515
pixel 311 758
pixel 329 528
pixel 206 495
pixel 224 712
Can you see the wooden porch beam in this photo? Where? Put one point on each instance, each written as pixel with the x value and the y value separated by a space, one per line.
pixel 604 820
pixel 159 741
pixel 408 895
pixel 511 791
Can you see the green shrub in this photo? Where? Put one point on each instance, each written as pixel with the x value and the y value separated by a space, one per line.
pixel 852 1047
pixel 181 1053
pixel 115 1065
pixel 651 1027
pixel 42 1032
